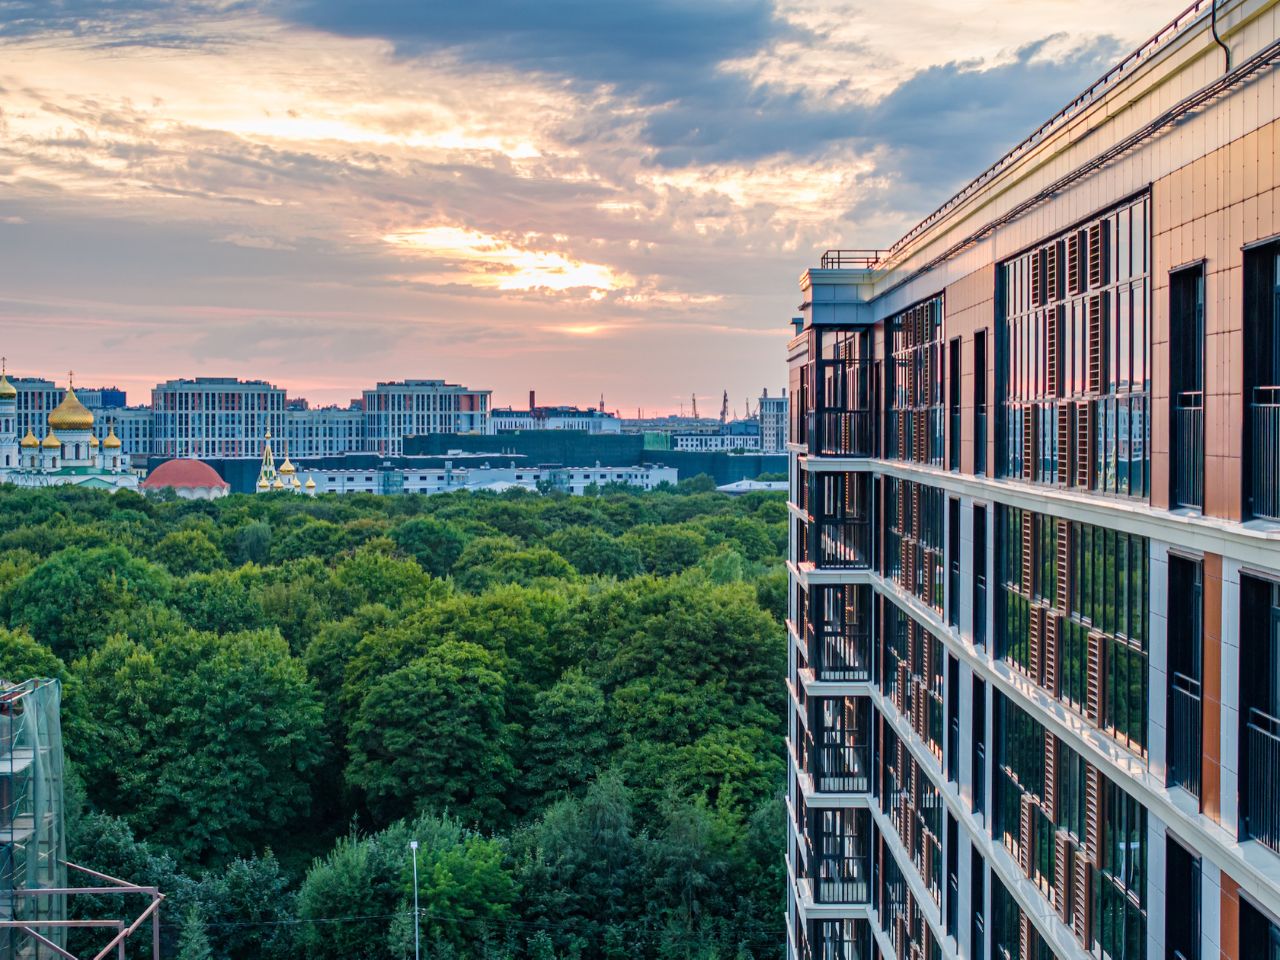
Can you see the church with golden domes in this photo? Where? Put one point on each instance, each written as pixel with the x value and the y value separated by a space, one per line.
pixel 273 479
pixel 68 455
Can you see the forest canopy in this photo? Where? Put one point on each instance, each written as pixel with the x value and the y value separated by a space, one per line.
pixel 573 704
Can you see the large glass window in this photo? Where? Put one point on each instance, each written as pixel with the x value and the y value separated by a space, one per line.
pixel 1072 372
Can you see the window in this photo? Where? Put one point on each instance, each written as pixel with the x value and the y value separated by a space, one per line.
pixel 1120 886
pixel 1182 903
pixel 979 738
pixel 1262 381
pixel 1072 377
pixel 980 403
pixel 953 404
pixel 1185 661
pixel 979 575
pixel 953 562
pixel 1186 387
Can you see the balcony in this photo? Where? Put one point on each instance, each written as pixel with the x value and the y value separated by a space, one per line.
pixel 842 876
pixel 844 543
pixel 845 433
pixel 1262 799
pixel 1184 732
pixel 840 656
pixel 1264 434
pixel 843 768
pixel 1188 449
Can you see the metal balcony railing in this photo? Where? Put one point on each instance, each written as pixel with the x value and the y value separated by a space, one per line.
pixel 1262 743
pixel 844 543
pixel 1264 430
pixel 1188 451
pixel 846 433
pixel 1184 732
pixel 843 768
pixel 842 878
pixel 841 656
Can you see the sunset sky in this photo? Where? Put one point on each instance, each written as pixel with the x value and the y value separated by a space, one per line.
pixel 578 197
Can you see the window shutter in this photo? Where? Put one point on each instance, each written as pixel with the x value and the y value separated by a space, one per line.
pixel 1052 629
pixel 1024 936
pixel 1028 552
pixel 1028 442
pixel 1052 272
pixel 1051 776
pixel 1085 449
pixel 1064 564
pixel 1025 828
pixel 1098 254
pixel 1037 277
pixel 1093 679
pixel 1064 444
pixel 1097 317
pixel 1063 865
pixel 1075 272
pixel 1036 640
pixel 1052 331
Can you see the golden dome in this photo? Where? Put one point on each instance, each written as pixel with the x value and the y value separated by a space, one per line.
pixel 51 442
pixel 30 441
pixel 112 442
pixel 7 390
pixel 93 440
pixel 277 484
pixel 310 484
pixel 287 468
pixel 71 414
pixel 262 484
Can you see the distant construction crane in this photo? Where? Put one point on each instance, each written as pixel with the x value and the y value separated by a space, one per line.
pixel 694 397
pixel 724 408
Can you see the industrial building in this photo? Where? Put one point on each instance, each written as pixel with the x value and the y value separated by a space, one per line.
pixel 1034 657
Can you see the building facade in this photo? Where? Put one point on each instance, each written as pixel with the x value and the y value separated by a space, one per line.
pixel 1034 624
pixel 211 417
pixel 324 431
pixel 774 423
pixel 396 410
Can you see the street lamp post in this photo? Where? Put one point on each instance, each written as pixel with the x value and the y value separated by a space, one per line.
pixel 413 845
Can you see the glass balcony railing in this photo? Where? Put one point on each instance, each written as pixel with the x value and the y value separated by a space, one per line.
pixel 1262 743
pixel 1184 732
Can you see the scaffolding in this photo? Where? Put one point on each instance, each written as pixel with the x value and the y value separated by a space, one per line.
pixel 33 846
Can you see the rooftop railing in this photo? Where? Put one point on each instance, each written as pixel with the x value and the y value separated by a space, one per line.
pixel 851 259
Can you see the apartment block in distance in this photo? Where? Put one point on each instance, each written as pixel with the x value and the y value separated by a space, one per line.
pixel 1034 657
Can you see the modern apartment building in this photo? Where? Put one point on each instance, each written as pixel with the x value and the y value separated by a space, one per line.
pixel 323 431
pixel 211 417
pixel 1034 657
pixel 396 410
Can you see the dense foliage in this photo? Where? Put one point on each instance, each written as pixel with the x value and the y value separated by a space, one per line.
pixel 572 704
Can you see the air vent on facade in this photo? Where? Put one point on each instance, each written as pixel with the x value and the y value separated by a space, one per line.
pixel 1028 563
pixel 1052 631
pixel 1050 776
pixel 1063 539
pixel 1037 278
pixel 1052 272
pixel 1063 862
pixel 1093 676
pixel 1064 444
pixel 1026 840
pixel 1028 442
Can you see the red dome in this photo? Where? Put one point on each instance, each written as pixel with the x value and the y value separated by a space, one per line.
pixel 184 474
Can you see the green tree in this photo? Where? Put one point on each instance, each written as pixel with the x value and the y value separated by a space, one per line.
pixel 253 542
pixel 193 942
pixel 188 551
pixel 435 544
pixel 666 550
pixel 592 551
pixel 432 736
pixel 204 743
pixel 67 601
pixel 567 743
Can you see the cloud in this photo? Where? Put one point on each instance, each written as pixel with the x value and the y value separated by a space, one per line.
pixel 255 243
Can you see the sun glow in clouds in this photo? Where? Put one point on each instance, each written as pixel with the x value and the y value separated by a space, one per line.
pixel 478 259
